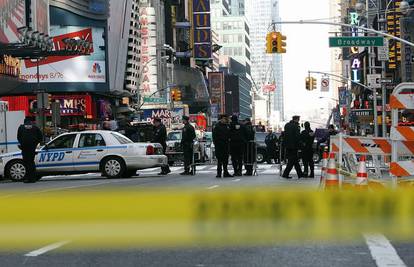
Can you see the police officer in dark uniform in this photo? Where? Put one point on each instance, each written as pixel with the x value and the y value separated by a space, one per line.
pixel 237 145
pixel 29 137
pixel 250 149
pixel 271 145
pixel 160 136
pixel 188 136
pixel 221 138
pixel 307 138
pixel 291 143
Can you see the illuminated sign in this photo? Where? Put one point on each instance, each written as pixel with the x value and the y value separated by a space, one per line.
pixel 356 67
pixel 148 62
pixel 393 28
pixel 354 20
pixel 10 66
pixel 201 29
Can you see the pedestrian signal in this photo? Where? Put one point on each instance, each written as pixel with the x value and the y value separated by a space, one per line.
pixel 281 45
pixel 272 42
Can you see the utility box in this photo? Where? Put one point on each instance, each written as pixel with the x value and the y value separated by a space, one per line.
pixel 9 123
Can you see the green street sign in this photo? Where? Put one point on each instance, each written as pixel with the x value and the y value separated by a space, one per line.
pixel 355 41
pixel 156 100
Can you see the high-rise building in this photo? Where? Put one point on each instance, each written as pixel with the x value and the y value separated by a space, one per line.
pixel 266 69
pixel 233 29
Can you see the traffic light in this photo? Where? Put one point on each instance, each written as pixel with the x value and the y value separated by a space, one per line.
pixel 175 94
pixel 307 83
pixel 271 42
pixel 313 83
pixel 281 45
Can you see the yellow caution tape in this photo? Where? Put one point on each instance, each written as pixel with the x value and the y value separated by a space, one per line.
pixel 193 217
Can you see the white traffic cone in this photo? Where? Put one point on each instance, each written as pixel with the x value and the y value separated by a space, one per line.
pixel 362 175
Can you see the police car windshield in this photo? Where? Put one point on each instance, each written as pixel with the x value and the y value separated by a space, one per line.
pixel 121 139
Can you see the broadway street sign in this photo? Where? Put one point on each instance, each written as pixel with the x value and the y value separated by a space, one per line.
pixel 355 41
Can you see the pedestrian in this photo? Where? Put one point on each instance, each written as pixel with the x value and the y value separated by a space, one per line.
pixel 271 145
pixel 29 137
pixel 106 125
pixel 250 149
pixel 188 136
pixel 221 138
pixel 291 144
pixel 160 136
pixel 307 138
pixel 237 145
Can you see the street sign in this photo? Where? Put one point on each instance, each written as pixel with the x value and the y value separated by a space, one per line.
pixel 383 52
pixel 386 80
pixel 325 84
pixel 157 100
pixel 374 80
pixel 362 41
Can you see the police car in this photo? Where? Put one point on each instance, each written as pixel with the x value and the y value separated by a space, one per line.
pixel 108 152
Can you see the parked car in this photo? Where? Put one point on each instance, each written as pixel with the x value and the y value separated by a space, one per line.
pixel 262 155
pixel 108 152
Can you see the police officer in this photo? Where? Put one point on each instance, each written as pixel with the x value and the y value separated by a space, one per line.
pixel 160 136
pixel 237 145
pixel 188 136
pixel 221 136
pixel 291 139
pixel 307 138
pixel 271 144
pixel 29 137
pixel 250 150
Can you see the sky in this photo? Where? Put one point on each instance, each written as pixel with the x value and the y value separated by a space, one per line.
pixel 307 49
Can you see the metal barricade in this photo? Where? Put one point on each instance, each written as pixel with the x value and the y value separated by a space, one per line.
pixel 250 158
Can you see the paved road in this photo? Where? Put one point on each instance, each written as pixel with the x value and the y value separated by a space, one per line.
pixel 374 250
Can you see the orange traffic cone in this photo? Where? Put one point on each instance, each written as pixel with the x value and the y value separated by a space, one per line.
pixel 362 175
pixel 331 179
pixel 325 156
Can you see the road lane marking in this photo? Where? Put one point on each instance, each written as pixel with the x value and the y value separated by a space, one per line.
pixel 236 180
pixel 383 253
pixel 212 187
pixel 45 249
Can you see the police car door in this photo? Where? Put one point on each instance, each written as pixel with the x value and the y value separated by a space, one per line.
pixel 91 149
pixel 57 155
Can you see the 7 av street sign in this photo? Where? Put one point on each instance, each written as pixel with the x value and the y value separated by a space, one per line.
pixel 355 41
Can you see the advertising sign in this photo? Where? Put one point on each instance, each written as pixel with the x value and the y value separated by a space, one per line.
pixel 148 62
pixel 267 88
pixel 394 28
pixel 57 69
pixel 343 96
pixel 202 29
pixel 168 117
pixel 12 17
pixel 70 105
pixel 216 80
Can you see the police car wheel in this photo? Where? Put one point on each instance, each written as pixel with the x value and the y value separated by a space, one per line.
pixel 260 157
pixel 16 171
pixel 113 167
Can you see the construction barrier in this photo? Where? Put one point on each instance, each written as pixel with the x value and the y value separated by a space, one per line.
pixel 402 98
pixel 162 218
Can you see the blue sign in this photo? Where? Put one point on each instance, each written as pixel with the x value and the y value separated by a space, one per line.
pixel 343 96
pixel 214 111
pixel 52 156
pixel 202 51
pixel 201 6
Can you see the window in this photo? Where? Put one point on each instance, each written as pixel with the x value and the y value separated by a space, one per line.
pixel 121 139
pixel 174 136
pixel 65 141
pixel 91 140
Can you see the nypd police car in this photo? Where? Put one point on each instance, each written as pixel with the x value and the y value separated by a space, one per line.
pixel 108 152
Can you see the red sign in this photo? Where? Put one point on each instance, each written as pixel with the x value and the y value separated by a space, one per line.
pixel 267 88
pixel 70 105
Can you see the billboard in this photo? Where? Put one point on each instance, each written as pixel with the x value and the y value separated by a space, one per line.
pixel 168 117
pixel 60 69
pixel 202 29
pixel 12 17
pixel 216 80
